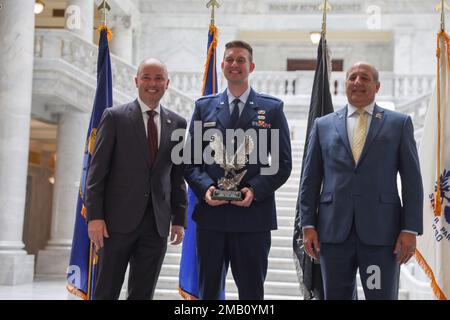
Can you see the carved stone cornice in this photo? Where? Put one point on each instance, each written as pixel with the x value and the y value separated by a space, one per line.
pixel 290 7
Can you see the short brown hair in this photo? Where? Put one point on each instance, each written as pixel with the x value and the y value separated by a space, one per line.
pixel 240 44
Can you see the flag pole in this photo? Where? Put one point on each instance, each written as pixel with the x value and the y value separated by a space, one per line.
pixel 104 7
pixel 431 252
pixel 188 275
pixel 437 197
pixel 212 4
pixel 325 6
pixel 443 7
pixel 308 271
pixel 211 50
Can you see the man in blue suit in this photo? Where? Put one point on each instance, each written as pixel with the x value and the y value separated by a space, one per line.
pixel 238 232
pixel 351 213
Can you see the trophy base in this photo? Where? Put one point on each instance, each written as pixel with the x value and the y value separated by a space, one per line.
pixel 228 195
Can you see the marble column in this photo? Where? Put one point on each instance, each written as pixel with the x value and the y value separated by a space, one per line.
pixel 16 76
pixel 80 18
pixel 72 128
pixel 403 45
pixel 122 40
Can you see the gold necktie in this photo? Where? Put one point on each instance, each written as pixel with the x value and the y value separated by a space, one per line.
pixel 359 135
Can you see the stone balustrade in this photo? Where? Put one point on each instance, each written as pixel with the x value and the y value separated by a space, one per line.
pixel 298 83
pixel 186 86
pixel 64 46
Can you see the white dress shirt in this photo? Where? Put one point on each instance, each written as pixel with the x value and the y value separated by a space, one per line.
pixel 243 100
pixel 156 117
pixel 352 119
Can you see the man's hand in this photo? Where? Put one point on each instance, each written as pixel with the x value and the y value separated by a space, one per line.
pixel 96 231
pixel 176 234
pixel 405 246
pixel 311 242
pixel 248 198
pixel 210 201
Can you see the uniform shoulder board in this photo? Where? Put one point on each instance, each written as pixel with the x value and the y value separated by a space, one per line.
pixel 269 97
pixel 209 96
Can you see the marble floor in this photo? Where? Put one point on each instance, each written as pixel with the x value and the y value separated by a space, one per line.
pixel 54 288
pixel 43 288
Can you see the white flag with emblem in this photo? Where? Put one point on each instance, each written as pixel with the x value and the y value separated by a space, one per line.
pixel 433 246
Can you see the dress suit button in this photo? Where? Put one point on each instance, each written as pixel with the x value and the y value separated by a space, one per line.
pixel 146 195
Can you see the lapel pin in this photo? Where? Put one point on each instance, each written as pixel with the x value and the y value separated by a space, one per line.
pixel 379 116
pixel 251 102
pixel 169 121
pixel 261 111
pixel 222 102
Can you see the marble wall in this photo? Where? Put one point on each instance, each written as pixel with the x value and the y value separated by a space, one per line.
pixel 396 36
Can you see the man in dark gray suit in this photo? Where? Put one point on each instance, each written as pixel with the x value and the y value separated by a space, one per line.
pixel 135 193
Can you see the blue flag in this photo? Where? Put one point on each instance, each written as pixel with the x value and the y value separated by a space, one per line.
pixel 188 285
pixel 81 271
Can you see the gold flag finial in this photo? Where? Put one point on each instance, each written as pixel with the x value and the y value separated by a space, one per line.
pixel 325 6
pixel 442 6
pixel 212 4
pixel 104 6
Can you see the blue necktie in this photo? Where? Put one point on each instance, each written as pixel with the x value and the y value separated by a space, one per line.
pixel 235 114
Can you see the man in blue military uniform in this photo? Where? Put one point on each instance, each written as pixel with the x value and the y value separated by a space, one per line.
pixel 238 232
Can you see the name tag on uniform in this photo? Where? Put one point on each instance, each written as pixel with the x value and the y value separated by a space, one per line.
pixel 209 124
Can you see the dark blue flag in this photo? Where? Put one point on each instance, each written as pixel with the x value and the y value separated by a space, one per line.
pixel 81 270
pixel 188 286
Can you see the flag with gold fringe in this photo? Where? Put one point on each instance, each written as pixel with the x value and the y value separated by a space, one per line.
pixel 81 270
pixel 188 278
pixel 433 247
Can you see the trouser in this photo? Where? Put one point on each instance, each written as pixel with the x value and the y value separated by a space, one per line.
pixel 143 249
pixel 378 269
pixel 246 252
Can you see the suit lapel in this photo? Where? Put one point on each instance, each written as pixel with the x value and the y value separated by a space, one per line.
pixel 135 115
pixel 340 121
pixel 248 112
pixel 223 110
pixel 376 123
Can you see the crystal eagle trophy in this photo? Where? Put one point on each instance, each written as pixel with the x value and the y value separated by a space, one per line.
pixel 232 165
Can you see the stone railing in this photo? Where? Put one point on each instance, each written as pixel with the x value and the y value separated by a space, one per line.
pixel 80 57
pixel 297 83
pixel 414 281
pixel 64 46
pixel 416 108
